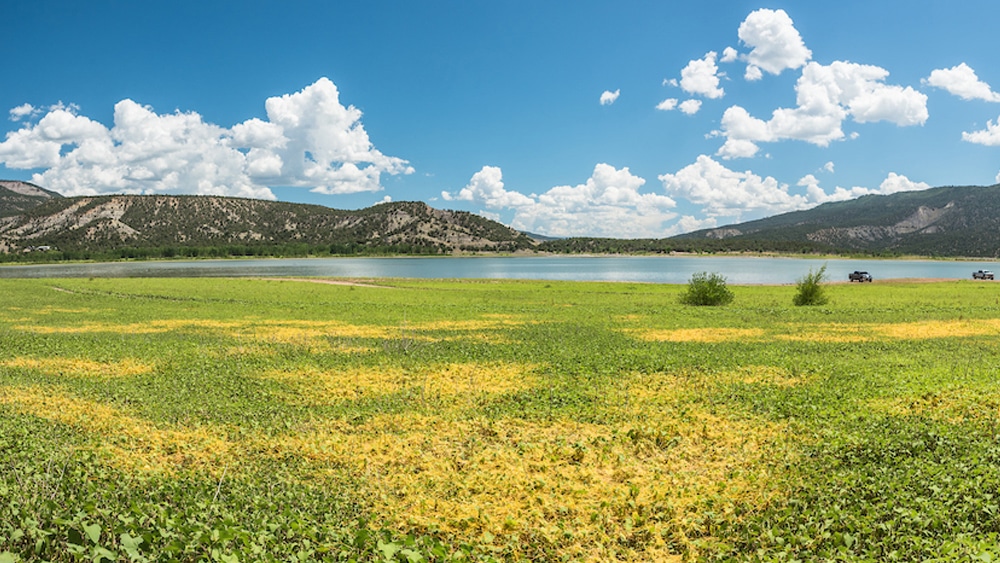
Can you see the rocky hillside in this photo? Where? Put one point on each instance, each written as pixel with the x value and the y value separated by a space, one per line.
pixel 947 221
pixel 109 222
pixel 17 197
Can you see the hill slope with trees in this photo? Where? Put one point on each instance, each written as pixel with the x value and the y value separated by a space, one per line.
pixel 166 226
pixel 946 221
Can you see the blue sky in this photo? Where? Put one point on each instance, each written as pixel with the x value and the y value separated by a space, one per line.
pixel 625 119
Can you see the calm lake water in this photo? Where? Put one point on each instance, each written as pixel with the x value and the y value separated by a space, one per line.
pixel 666 269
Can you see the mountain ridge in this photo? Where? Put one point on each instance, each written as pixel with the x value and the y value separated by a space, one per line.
pixel 943 221
pixel 102 223
pixel 946 221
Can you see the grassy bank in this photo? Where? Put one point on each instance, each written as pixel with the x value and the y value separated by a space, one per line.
pixel 219 419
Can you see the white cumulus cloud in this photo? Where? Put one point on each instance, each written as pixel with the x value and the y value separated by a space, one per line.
pixel 689 223
pixel 722 192
pixel 893 183
pixel 725 193
pixel 609 97
pixel 989 136
pixel 700 77
pixel 962 81
pixel 22 111
pixel 309 140
pixel 729 55
pixel 753 73
pixel 774 42
pixel 690 107
pixel 667 105
pixel 826 96
pixel 737 148
pixel 608 204
pixel 486 187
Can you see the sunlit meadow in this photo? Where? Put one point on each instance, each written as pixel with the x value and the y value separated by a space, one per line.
pixel 406 420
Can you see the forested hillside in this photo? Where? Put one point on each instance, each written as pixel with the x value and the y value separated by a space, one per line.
pixel 166 226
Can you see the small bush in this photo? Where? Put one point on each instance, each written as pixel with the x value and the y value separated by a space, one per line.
pixel 810 290
pixel 707 289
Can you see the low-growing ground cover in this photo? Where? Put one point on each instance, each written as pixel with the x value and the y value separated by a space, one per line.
pixel 221 419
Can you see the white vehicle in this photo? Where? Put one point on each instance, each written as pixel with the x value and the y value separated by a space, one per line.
pixel 982 275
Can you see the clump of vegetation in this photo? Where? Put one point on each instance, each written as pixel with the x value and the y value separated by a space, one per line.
pixel 707 289
pixel 810 289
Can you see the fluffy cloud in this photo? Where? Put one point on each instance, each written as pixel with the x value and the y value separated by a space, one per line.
pixel 817 195
pixel 22 111
pixel 774 42
pixel 689 223
pixel 700 77
pixel 667 105
pixel 729 55
pixel 609 97
pixel 828 167
pixel 725 193
pixel 962 81
pixel 753 73
pixel 826 96
pixel 608 204
pixel 487 188
pixel 989 136
pixel 327 148
pixel 893 183
pixel 690 107
pixel 309 140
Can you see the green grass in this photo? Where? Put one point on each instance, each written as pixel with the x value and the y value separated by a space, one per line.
pixel 214 419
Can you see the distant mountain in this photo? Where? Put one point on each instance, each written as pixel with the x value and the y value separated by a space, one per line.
pixel 947 221
pixel 17 197
pixel 105 223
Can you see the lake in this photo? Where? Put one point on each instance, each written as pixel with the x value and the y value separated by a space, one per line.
pixel 655 269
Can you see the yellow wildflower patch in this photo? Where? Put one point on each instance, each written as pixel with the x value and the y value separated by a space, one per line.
pixel 293 332
pixel 80 367
pixel 313 386
pixel 131 443
pixel 834 332
pixel 699 334
pixel 952 405
pixel 634 393
pixel 60 310
pixel 762 375
pixel 563 484
pixel 149 327
pixel 827 332
pixel 314 335
pixel 940 329
pixel 496 322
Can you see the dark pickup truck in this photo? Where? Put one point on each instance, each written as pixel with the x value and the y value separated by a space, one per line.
pixel 858 276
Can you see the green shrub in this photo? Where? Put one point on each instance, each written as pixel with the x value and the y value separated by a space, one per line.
pixel 810 290
pixel 707 289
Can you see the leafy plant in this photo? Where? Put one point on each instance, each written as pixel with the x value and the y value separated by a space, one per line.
pixel 810 289
pixel 707 289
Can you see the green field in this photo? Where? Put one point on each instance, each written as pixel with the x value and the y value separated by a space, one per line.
pixel 417 420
